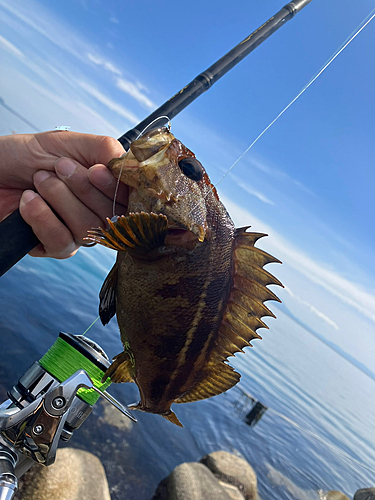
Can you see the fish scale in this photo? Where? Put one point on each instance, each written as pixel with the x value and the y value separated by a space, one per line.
pixel 188 288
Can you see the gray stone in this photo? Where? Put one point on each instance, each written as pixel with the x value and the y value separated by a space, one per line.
pixel 232 491
pixel 233 470
pixel 335 495
pixel 191 481
pixel 365 494
pixel 75 475
pixel 112 416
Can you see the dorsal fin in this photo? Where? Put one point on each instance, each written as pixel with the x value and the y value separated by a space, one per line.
pixel 245 307
pixel 241 318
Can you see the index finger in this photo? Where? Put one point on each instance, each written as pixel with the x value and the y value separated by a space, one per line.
pixel 87 149
pixel 101 177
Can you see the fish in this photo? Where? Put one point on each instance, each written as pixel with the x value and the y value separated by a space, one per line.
pixel 187 287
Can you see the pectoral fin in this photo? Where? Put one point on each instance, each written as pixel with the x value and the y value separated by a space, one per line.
pixel 138 232
pixel 107 296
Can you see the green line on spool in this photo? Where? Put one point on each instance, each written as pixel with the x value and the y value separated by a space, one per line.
pixel 62 360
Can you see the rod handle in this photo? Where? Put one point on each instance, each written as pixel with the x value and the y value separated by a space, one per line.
pixel 16 240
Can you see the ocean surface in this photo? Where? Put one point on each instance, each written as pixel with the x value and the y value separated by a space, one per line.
pixel 318 434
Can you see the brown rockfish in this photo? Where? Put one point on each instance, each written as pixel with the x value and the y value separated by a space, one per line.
pixel 187 287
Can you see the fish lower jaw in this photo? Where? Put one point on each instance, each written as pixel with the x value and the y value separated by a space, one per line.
pixel 180 237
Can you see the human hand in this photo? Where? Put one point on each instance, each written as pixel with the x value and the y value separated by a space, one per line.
pixel 68 171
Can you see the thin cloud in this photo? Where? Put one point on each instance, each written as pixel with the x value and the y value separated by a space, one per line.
pixel 46 25
pixel 257 194
pixel 277 174
pixel 114 20
pixel 105 123
pixel 135 92
pixel 349 293
pixel 112 105
pixel 99 61
pixel 78 111
pixel 313 309
pixel 7 45
pixel 246 187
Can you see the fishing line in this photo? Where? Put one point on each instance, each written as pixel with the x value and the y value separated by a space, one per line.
pixel 117 185
pixel 169 125
pixel 356 32
pixel 92 324
pixel 351 37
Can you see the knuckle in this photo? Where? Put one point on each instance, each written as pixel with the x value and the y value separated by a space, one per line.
pixel 109 147
pixel 51 186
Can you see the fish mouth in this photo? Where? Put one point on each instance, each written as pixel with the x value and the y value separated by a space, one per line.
pixel 183 238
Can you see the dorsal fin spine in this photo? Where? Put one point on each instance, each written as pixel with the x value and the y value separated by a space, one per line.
pixel 261 323
pixel 261 305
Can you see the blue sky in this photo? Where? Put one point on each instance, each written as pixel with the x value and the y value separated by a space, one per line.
pixel 309 182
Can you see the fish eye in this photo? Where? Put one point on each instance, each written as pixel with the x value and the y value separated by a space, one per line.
pixel 191 168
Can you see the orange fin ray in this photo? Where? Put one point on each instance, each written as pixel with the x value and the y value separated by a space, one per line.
pixel 135 232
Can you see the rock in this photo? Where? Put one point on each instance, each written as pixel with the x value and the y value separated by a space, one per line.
pixel 335 495
pixel 75 475
pixel 234 470
pixel 191 481
pixel 365 494
pixel 112 416
pixel 232 491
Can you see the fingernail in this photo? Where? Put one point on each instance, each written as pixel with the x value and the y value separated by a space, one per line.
pixel 102 176
pixel 41 176
pixel 27 196
pixel 65 167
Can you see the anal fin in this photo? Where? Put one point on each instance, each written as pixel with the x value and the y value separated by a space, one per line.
pixel 218 377
pixel 121 370
pixel 134 232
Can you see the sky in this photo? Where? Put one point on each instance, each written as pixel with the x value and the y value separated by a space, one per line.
pixel 101 67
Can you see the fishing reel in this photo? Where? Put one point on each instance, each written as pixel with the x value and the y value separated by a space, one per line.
pixel 49 402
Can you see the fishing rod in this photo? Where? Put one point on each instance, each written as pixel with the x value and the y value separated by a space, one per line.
pixel 17 237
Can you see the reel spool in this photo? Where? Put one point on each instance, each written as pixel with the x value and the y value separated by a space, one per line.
pixel 67 355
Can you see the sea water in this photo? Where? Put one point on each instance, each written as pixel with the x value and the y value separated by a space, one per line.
pixel 318 434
